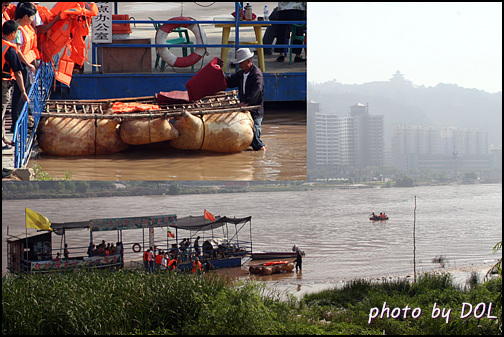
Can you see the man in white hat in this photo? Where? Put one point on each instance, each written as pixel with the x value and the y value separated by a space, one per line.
pixel 250 82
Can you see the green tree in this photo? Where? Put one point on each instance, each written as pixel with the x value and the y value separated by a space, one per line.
pixel 174 189
pixel 81 186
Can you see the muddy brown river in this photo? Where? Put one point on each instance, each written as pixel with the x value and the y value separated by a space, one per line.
pixel 283 132
pixel 461 223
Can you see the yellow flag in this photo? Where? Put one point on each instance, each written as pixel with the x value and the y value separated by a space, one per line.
pixel 37 221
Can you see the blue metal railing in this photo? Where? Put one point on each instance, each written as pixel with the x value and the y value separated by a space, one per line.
pixel 235 45
pixel 38 94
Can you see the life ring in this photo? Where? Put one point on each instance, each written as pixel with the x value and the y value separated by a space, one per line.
pixel 168 56
pixel 135 245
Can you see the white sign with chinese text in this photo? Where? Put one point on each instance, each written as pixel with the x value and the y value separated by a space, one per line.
pixel 102 23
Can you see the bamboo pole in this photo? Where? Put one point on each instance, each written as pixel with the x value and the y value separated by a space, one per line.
pixel 414 243
pixel 135 99
pixel 149 114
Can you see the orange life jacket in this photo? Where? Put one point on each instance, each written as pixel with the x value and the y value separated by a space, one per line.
pixel 69 32
pixel 172 264
pixel 10 11
pixel 159 257
pixel 5 46
pixel 45 14
pixel 196 266
pixel 29 48
pixel 65 67
pixel 5 17
pixel 271 263
pixel 119 107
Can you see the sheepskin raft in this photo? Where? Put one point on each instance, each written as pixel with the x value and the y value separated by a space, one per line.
pixel 231 132
pixel 88 127
pixel 79 137
pixel 272 267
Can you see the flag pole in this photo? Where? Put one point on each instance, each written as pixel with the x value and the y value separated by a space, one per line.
pixel 26 240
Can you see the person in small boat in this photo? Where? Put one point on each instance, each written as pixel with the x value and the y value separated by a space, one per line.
pixel 250 82
pixel 383 216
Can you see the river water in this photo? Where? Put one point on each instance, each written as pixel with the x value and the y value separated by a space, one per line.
pixel 460 222
pixel 283 132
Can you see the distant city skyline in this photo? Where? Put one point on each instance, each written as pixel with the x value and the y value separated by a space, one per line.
pixel 429 43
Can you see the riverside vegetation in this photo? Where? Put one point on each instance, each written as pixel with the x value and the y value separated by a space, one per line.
pixel 172 303
pixel 50 189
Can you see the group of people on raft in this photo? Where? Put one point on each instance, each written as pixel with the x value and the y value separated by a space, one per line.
pixel 382 216
pixel 168 261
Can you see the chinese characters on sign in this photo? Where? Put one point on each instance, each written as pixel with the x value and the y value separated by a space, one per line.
pixel 102 23
pixel 130 223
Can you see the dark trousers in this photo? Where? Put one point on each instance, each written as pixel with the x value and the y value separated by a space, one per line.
pixel 271 32
pixel 283 31
pixel 17 101
pixel 299 263
pixel 256 142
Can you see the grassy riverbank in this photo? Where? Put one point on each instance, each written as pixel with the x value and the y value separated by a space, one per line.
pixel 93 189
pixel 132 302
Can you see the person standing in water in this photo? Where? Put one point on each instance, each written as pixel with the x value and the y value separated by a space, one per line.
pixel 250 82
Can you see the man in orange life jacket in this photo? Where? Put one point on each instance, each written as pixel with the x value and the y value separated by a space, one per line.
pixel 159 258
pixel 146 260
pixel 196 266
pixel 11 69
pixel 27 52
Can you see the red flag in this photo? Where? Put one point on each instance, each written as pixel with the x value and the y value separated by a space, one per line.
pixel 170 234
pixel 209 216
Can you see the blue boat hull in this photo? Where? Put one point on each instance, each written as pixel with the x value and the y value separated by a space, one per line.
pixel 279 87
pixel 221 263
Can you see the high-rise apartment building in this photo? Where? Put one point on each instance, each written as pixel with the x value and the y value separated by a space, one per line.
pixel 418 147
pixel 356 140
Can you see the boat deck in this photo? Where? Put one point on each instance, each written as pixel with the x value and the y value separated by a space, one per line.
pixel 284 81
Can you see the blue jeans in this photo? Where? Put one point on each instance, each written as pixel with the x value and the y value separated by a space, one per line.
pixel 256 142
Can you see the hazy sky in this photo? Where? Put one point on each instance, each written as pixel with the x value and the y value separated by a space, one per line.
pixel 430 43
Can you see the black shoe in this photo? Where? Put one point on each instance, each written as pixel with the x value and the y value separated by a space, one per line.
pixel 280 58
pixel 299 59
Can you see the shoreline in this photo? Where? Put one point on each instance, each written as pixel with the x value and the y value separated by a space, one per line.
pixel 460 276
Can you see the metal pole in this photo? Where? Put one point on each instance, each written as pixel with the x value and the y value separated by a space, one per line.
pixel 414 243
pixel 26 244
